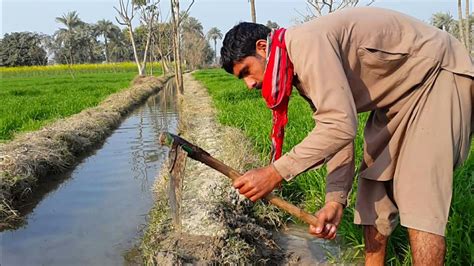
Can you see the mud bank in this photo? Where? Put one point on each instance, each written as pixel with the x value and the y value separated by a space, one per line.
pixel 32 158
pixel 218 225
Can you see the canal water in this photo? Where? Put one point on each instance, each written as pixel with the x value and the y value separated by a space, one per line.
pixel 98 212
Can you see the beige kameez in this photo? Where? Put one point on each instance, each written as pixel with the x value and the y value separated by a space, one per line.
pixel 416 81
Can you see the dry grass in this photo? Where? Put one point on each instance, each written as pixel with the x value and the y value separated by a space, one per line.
pixel 57 147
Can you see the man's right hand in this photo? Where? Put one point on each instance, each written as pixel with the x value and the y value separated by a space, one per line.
pixel 329 218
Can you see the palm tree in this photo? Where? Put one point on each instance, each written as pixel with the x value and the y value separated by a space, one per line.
pixel 442 21
pixel 191 25
pixel 214 34
pixel 86 42
pixel 120 50
pixel 71 20
pixel 107 29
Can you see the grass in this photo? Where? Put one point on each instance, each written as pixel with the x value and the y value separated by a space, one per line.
pixel 246 110
pixel 34 96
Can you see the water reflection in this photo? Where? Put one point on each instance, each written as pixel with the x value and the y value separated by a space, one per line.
pixel 96 215
pixel 142 155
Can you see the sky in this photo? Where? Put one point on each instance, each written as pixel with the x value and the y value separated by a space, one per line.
pixel 39 15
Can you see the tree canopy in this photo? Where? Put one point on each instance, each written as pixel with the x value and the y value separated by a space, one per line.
pixel 22 49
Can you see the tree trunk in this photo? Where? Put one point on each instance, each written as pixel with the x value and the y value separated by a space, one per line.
pixel 148 39
pixel 177 63
pixel 152 55
pixel 461 27
pixel 215 49
pixel 91 53
pixel 135 54
pixel 164 59
pixel 166 63
pixel 253 12
pixel 71 61
pixel 467 28
pixel 106 49
pixel 69 66
pixel 177 46
pixel 70 56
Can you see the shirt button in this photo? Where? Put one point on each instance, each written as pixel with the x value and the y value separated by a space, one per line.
pixel 342 196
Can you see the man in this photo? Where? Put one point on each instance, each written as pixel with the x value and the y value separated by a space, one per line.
pixel 416 81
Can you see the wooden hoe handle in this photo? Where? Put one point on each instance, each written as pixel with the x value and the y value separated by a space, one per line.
pixel 198 154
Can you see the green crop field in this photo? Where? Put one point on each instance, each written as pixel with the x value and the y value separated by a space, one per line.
pixel 246 110
pixel 33 96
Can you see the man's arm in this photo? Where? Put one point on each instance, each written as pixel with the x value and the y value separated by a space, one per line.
pixel 338 184
pixel 340 176
pixel 317 61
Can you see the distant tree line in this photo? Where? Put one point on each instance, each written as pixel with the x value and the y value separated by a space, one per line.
pixel 22 49
pixel 77 42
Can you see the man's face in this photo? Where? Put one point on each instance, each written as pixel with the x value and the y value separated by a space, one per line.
pixel 252 68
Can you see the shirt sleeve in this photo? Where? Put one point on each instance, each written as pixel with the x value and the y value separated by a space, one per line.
pixel 341 171
pixel 317 62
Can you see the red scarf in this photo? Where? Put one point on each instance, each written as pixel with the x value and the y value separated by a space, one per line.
pixel 276 87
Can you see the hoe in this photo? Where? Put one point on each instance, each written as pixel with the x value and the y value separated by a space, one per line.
pixel 181 148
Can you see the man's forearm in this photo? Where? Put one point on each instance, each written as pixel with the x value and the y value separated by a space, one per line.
pixel 340 176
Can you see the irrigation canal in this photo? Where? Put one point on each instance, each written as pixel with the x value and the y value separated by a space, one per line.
pixel 98 211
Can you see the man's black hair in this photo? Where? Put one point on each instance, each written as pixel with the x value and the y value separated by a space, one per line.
pixel 240 42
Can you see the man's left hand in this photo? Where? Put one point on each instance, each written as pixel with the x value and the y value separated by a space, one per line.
pixel 329 218
pixel 257 183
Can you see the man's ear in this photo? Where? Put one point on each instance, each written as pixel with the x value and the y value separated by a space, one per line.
pixel 261 47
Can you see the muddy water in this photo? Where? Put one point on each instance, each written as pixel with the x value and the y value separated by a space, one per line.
pixel 296 240
pixel 98 212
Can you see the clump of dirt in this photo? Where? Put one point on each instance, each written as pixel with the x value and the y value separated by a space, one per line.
pixel 218 225
pixel 31 157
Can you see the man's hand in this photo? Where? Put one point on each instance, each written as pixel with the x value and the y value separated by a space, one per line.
pixel 329 218
pixel 257 183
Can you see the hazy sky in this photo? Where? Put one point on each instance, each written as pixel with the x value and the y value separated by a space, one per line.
pixel 39 15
